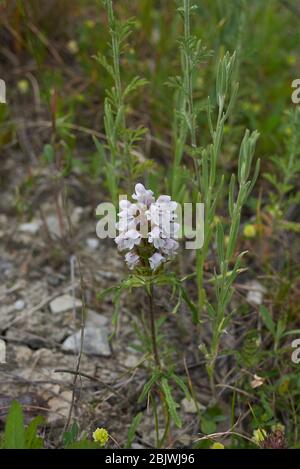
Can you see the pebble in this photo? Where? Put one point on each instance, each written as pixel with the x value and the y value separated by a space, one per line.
pixel 95 342
pixel 19 305
pixel 53 226
pixel 64 303
pixel 189 406
pixel 92 243
pixel 30 228
pixel 77 215
pixel 2 351
pixel 256 292
pixel 95 319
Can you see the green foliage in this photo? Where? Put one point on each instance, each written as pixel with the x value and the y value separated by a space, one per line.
pixel 197 120
pixel 70 436
pixel 16 435
pixel 133 428
pixel 121 164
pixel 14 428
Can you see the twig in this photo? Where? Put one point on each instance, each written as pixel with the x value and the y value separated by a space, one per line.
pixel 93 378
pixel 80 349
pixel 216 435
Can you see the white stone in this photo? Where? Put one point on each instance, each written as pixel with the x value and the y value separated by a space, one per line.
pixel 59 406
pixel 22 353
pixel 53 226
pixel 92 243
pixel 19 305
pixel 256 292
pixel 190 407
pixel 95 342
pixel 131 361
pixel 76 215
pixel 95 319
pixel 2 351
pixel 64 303
pixel 30 228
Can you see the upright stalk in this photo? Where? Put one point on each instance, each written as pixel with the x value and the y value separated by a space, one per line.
pixel 152 327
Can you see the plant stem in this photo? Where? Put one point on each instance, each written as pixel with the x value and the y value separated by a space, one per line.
pixel 152 328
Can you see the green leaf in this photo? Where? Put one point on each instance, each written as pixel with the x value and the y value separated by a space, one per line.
pixel 179 381
pixel 32 441
pixel 267 318
pixel 71 436
pixel 190 304
pixel 135 83
pixel 48 153
pixel 147 387
pixel 14 427
pixel 172 406
pixel 208 426
pixel 133 428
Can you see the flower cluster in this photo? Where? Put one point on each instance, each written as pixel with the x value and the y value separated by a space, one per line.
pixel 147 229
pixel 101 436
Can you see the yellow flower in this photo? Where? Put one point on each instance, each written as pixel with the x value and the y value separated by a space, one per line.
pixel 73 47
pixel 288 131
pixel 101 436
pixel 217 446
pixel 23 86
pixel 256 108
pixel 259 435
pixel 278 427
pixel 90 24
pixel 249 231
pixel 291 59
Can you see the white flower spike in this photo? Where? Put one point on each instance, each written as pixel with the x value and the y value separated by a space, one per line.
pixel 147 229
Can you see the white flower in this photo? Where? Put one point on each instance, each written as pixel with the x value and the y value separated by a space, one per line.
pixel 132 260
pixel 156 260
pixel 162 214
pixel 155 237
pixel 128 239
pixel 170 247
pixel 126 215
pixel 151 220
pixel 142 195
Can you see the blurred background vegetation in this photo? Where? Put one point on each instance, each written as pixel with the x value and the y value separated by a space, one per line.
pixel 47 59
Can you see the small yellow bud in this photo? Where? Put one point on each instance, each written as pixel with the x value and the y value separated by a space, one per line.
pixel 217 446
pixel 101 436
pixel 256 108
pixel 278 427
pixel 288 131
pixel 23 86
pixel 90 24
pixel 291 59
pixel 249 231
pixel 259 435
pixel 73 47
